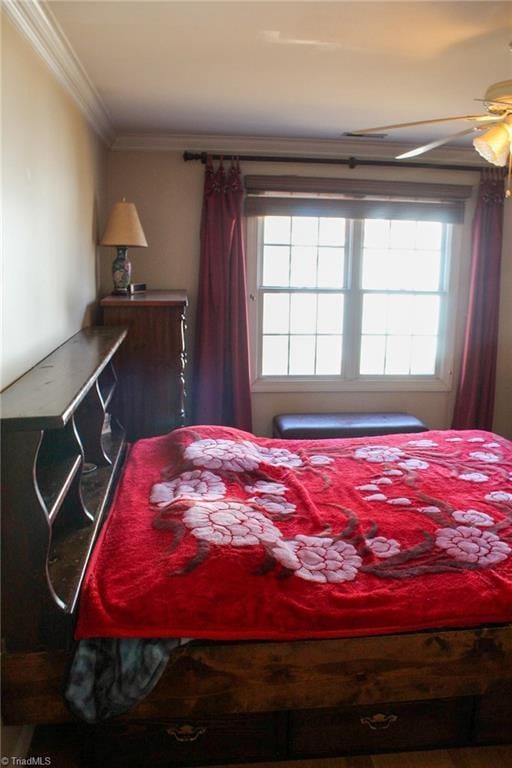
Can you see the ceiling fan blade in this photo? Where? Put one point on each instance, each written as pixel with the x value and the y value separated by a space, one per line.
pixel 434 144
pixel 479 118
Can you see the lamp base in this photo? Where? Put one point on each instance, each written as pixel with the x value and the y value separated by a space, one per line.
pixel 121 270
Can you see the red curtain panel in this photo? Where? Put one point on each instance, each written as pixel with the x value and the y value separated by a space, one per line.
pixel 221 393
pixel 474 403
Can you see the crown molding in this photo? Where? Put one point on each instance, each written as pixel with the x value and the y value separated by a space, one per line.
pixel 37 23
pixel 34 19
pixel 321 148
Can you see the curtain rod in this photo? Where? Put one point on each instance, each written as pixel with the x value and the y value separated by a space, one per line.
pixel 351 162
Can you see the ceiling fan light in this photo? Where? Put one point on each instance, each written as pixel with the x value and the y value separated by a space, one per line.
pixel 494 144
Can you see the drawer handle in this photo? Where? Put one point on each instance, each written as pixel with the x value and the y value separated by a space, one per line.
pixel 379 722
pixel 186 732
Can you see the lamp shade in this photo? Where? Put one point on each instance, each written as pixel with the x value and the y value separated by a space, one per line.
pixel 124 227
pixel 494 144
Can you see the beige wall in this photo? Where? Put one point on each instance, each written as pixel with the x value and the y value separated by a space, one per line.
pixel 52 188
pixel 168 193
pixel 53 182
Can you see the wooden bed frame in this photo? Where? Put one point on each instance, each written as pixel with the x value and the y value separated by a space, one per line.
pixel 216 702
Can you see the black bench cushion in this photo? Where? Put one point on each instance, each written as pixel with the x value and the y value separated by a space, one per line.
pixel 313 426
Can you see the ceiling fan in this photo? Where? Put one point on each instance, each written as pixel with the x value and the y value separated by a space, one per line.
pixel 494 144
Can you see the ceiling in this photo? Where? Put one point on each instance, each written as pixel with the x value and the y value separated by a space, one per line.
pixel 288 69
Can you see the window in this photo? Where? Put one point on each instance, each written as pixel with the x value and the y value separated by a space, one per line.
pixel 350 299
pixel 302 295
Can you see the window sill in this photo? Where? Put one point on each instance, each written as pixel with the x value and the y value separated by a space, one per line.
pixel 349 385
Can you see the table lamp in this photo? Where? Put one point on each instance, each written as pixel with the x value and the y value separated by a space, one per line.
pixel 123 230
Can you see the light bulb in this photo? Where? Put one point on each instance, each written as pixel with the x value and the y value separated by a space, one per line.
pixel 494 144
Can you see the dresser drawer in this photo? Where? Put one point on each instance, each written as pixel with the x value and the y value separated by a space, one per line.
pixel 234 738
pixel 380 727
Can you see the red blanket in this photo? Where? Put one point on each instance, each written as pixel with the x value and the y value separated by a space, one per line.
pixel 215 533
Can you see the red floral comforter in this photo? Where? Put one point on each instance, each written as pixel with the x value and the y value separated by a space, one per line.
pixel 215 533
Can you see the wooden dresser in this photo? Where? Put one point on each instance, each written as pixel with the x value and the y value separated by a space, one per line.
pixel 151 362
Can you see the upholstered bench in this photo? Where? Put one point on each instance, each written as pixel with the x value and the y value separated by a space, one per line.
pixel 315 426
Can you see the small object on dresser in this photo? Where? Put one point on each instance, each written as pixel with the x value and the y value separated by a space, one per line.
pixel 136 287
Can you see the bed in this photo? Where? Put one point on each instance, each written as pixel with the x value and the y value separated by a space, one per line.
pixel 211 529
pixel 221 535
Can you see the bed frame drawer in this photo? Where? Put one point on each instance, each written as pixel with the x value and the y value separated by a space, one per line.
pixel 234 738
pixel 493 719
pixel 380 727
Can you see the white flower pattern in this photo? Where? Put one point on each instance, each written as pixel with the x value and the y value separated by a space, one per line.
pixel 473 517
pixel 423 443
pixel 319 460
pixel 279 457
pixel 315 558
pixel 264 486
pixel 230 523
pixel 197 484
pixel 274 504
pixel 213 518
pixel 378 454
pixel 499 496
pixel 474 477
pixel 223 454
pixel 472 545
pixel 382 547
pixel 413 464
pixel 490 458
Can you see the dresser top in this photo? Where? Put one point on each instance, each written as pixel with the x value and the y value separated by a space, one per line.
pixel 148 299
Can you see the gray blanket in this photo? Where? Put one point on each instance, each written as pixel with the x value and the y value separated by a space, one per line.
pixel 108 676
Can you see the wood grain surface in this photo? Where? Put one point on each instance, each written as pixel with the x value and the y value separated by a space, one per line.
pixel 64 747
pixel 151 397
pixel 210 679
pixel 47 395
pixel 468 757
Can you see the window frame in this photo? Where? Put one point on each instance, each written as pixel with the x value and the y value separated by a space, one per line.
pixel 441 381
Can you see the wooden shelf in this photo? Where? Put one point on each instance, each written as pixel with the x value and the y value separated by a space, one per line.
pixel 47 395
